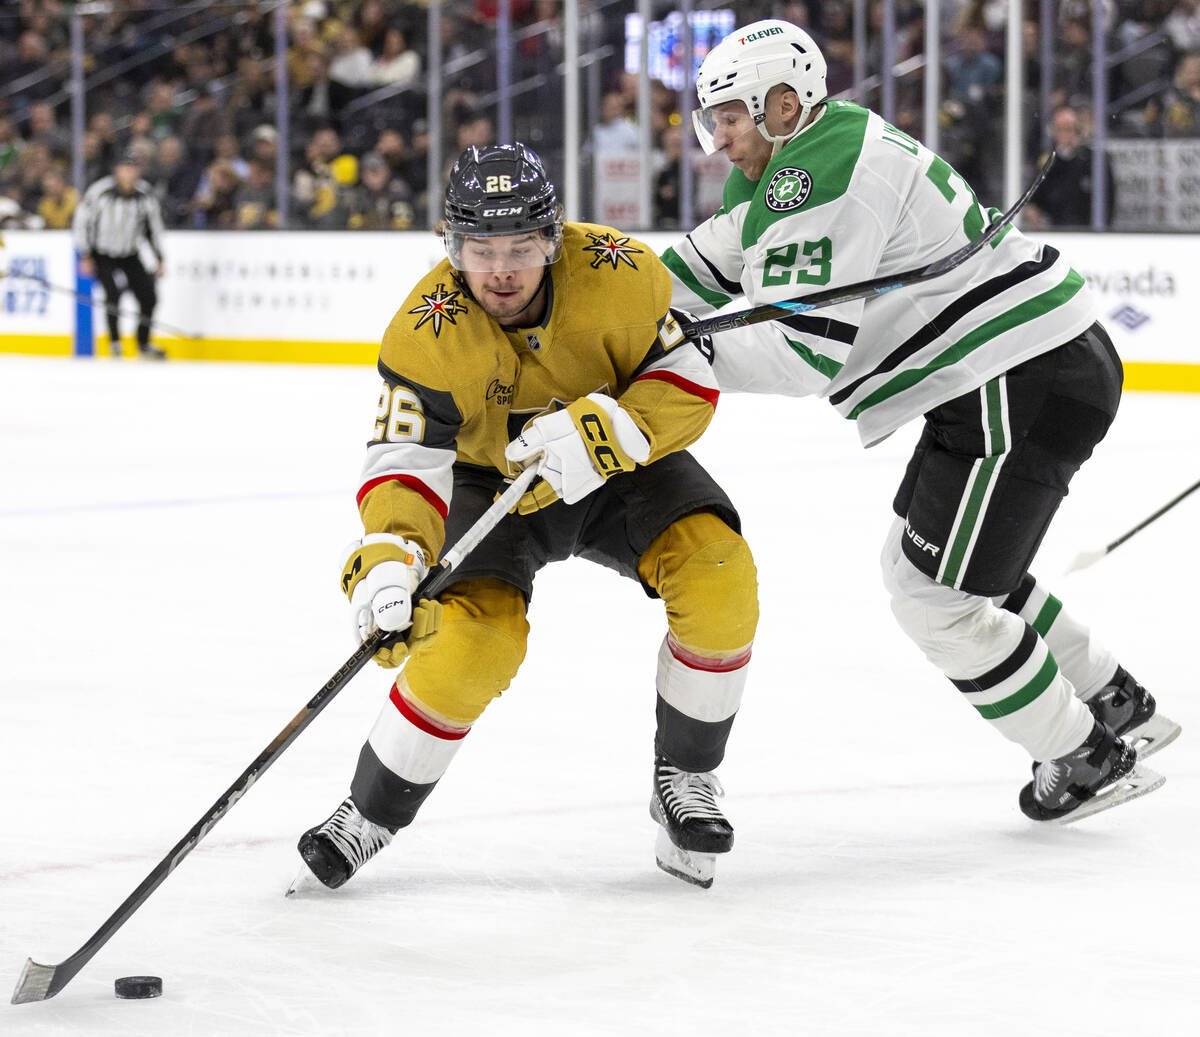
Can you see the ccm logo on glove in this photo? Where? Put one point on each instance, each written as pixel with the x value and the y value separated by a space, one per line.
pixel 581 447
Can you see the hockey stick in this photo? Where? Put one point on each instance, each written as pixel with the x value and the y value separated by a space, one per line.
pixel 108 307
pixel 866 289
pixel 1086 558
pixel 41 982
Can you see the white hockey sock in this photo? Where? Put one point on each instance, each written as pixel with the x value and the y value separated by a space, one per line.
pixel 1004 669
pixel 1086 663
pixel 410 741
pixel 700 687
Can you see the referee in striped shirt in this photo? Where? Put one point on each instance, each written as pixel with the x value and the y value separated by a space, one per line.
pixel 117 212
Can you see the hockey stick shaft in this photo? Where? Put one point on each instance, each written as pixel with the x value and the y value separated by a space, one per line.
pixel 109 306
pixel 1158 514
pixel 866 289
pixel 40 982
pixel 1086 558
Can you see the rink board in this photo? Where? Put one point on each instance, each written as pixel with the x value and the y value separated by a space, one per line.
pixel 307 297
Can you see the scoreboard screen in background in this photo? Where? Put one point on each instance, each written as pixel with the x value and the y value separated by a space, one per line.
pixel 666 44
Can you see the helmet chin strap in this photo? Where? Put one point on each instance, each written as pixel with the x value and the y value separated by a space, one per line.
pixel 777 143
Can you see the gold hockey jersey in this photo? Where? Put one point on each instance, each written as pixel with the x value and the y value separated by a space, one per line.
pixel 459 387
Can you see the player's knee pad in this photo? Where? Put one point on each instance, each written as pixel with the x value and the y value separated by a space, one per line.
pixel 477 652
pixel 705 574
pixel 962 634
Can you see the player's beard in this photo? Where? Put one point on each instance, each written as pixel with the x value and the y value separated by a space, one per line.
pixel 520 309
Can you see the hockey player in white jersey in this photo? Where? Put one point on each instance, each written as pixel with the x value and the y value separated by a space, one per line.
pixel 1002 355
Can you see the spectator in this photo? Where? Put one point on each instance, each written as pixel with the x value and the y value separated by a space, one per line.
pixel 666 181
pixel 1181 117
pixel 975 72
pixel 1065 197
pixel 254 200
pixel 58 202
pixel 44 129
pixel 315 190
pixel 614 131
pixel 29 71
pixel 381 201
pixel 371 25
pixel 264 145
pixel 203 123
pixel 212 206
pixel 163 116
pixel 103 126
pixel 13 215
pixel 1183 25
pixel 396 65
pixel 175 181
pixel 227 149
pixel 11 145
pixel 312 105
pixel 350 67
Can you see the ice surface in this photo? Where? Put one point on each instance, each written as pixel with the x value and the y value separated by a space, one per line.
pixel 169 548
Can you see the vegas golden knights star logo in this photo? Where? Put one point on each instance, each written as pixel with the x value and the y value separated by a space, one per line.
pixel 439 305
pixel 609 249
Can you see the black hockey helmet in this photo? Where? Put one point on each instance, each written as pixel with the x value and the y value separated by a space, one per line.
pixel 501 190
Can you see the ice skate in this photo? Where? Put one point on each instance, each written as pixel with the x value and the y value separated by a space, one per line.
pixel 334 850
pixel 151 352
pixel 1101 773
pixel 1129 709
pixel 693 829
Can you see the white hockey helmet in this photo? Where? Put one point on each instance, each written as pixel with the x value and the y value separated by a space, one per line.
pixel 747 63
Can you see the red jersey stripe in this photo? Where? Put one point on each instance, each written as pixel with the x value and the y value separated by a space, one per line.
pixel 688 386
pixel 422 723
pixel 707 663
pixel 413 483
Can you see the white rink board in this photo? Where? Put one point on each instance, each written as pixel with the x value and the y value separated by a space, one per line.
pixel 345 287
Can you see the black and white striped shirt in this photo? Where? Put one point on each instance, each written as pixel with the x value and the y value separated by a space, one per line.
pixel 110 223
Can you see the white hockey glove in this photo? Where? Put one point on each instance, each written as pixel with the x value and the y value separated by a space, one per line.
pixel 379 576
pixel 585 444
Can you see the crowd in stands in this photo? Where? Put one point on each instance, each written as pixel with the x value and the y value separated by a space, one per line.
pixel 190 89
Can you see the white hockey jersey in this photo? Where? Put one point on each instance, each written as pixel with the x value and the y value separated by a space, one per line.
pixel 848 199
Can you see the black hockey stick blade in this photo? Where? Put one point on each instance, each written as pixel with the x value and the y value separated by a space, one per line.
pixel 867 289
pixel 40 982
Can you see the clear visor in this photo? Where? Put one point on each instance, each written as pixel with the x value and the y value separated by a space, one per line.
pixel 503 252
pixel 718 127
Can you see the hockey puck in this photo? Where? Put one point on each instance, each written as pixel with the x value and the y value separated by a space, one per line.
pixel 139 986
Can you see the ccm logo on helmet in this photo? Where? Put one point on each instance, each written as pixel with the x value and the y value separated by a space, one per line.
pixel 760 35
pixel 504 212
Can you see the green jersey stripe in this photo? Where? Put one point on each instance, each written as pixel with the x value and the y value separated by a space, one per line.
pixel 826 365
pixel 682 271
pixel 1023 696
pixel 1030 310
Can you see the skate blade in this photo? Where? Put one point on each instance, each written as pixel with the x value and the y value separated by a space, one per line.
pixel 1138 782
pixel 304 882
pixel 697 868
pixel 1156 733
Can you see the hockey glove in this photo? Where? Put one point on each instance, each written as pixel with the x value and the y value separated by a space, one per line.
pixel 590 441
pixel 379 576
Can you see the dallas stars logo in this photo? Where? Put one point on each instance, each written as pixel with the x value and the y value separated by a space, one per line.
pixel 439 305
pixel 612 250
pixel 789 189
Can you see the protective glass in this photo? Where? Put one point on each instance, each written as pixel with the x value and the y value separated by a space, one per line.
pixel 487 254
pixel 720 125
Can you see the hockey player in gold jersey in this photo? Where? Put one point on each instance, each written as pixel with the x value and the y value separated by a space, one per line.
pixel 539 342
